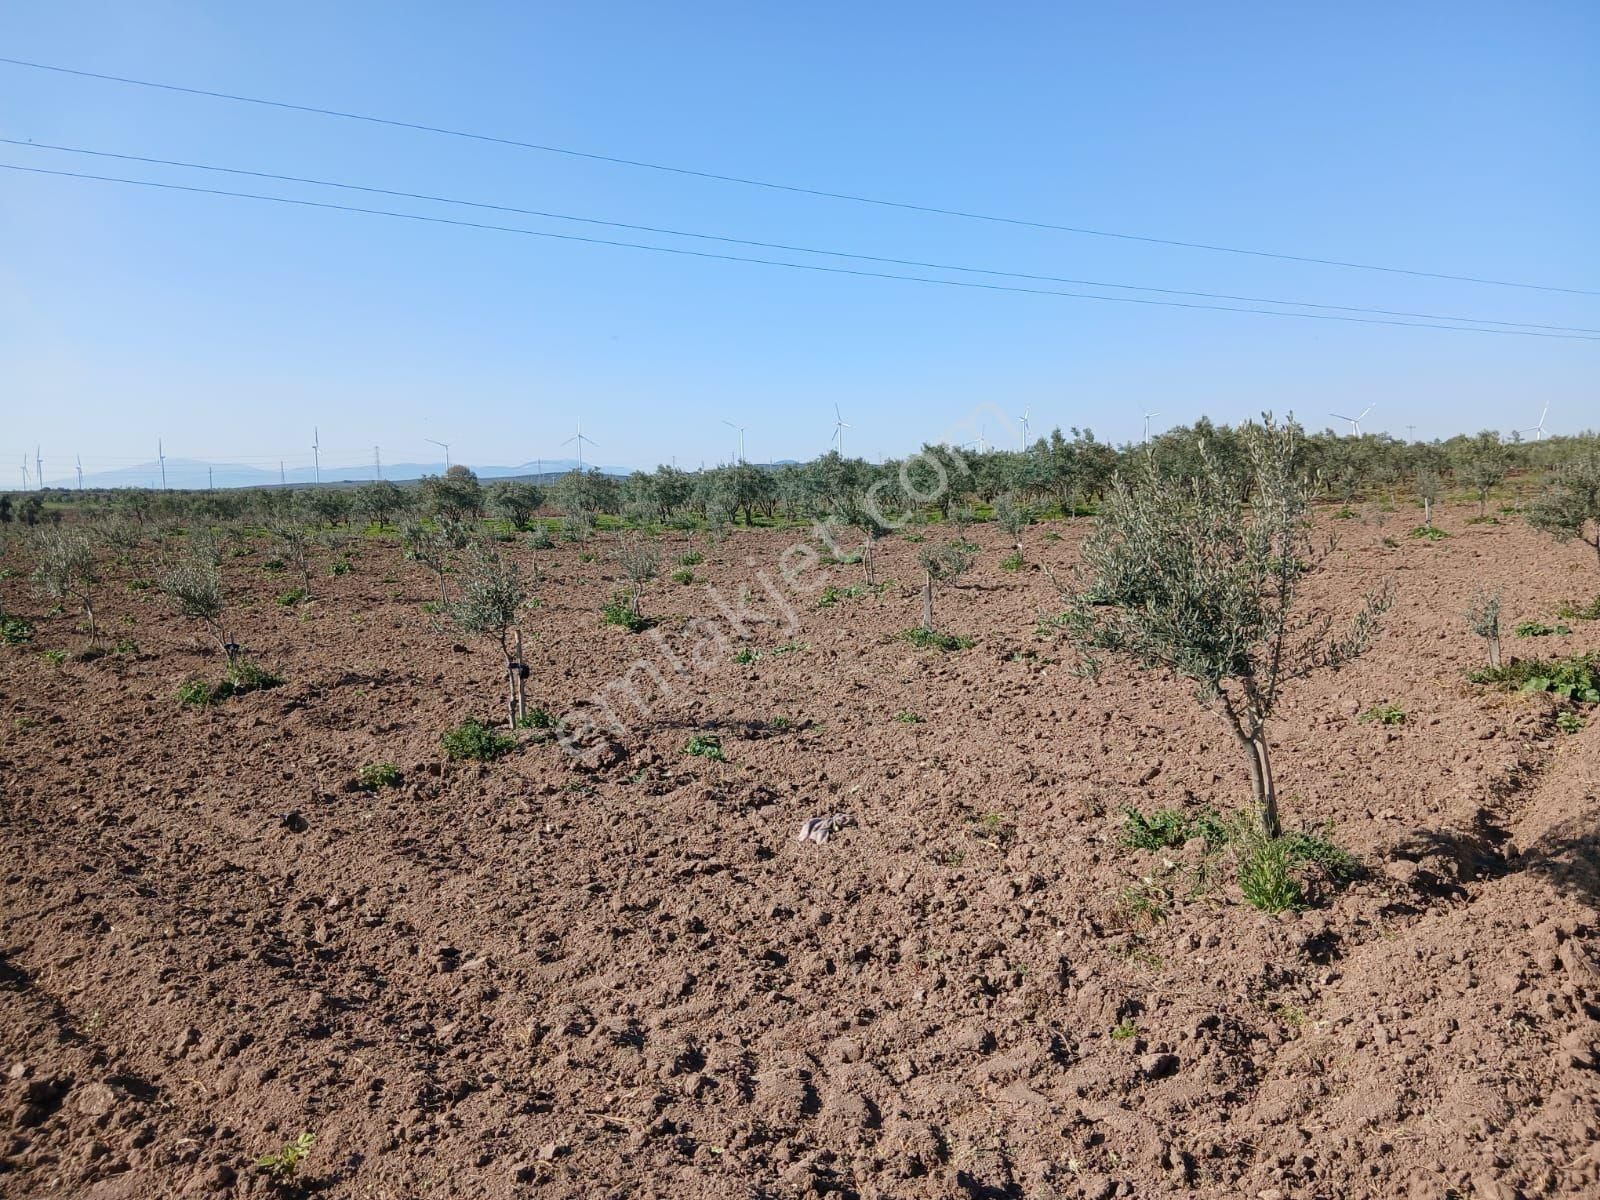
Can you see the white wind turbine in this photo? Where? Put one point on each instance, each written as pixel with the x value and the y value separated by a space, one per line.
pixel 1538 430
pixel 579 438
pixel 740 429
pixel 839 426
pixel 1355 422
pixel 1025 413
pixel 1147 417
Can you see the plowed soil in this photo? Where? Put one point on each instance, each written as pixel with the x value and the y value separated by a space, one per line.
pixel 617 973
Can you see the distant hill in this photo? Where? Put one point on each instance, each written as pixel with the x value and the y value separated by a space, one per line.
pixel 193 474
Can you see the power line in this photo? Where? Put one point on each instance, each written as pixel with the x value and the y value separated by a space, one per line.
pixel 789 248
pixel 795 189
pixel 814 267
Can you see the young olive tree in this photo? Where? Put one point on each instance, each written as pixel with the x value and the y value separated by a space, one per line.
pixel 491 602
pixel 1013 516
pixel 292 539
pixel 1184 574
pixel 1428 488
pixel 859 511
pixel 640 562
pixel 432 543
pixel 65 570
pixel 194 585
pixel 1482 462
pixel 1570 506
pixel 940 564
pixel 1483 618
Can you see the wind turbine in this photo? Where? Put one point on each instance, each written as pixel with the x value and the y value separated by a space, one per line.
pixel 445 446
pixel 1025 413
pixel 38 463
pixel 839 426
pixel 580 438
pixel 1355 422
pixel 1147 417
pixel 1538 430
pixel 740 428
pixel 316 453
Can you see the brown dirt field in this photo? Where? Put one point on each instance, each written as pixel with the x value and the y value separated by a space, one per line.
pixel 624 976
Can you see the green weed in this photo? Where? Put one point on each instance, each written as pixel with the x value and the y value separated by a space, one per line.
pixel 475 741
pixel 932 639
pixel 706 745
pixel 1384 714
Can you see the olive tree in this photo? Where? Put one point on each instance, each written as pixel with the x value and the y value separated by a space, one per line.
pixel 432 543
pixel 515 500
pixel 65 570
pixel 1483 618
pixel 940 564
pixel 492 598
pixel 640 562
pixel 379 500
pixel 1570 506
pixel 860 512
pixel 1482 462
pixel 1428 492
pixel 455 494
pixel 1185 575
pixel 1013 516
pixel 194 585
pixel 293 542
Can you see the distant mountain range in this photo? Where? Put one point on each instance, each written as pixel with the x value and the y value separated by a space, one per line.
pixel 194 474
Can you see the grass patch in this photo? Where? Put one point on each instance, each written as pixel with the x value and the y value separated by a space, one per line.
pixel 476 741
pixel 932 639
pixel 1012 562
pixel 691 558
pixel 745 655
pixel 906 717
pixel 1428 533
pixel 1568 721
pixel 14 631
pixel 292 597
pixel 682 575
pixel 1267 878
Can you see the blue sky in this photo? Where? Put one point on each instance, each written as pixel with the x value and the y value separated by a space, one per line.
pixel 1456 138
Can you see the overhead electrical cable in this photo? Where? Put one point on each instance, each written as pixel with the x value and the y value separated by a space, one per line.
pixel 812 267
pixel 796 189
pixel 788 248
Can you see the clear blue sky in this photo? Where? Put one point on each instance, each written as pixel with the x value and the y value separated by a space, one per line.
pixel 1451 137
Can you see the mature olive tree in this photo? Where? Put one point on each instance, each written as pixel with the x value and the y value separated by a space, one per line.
pixel 1570 506
pixel 1184 574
